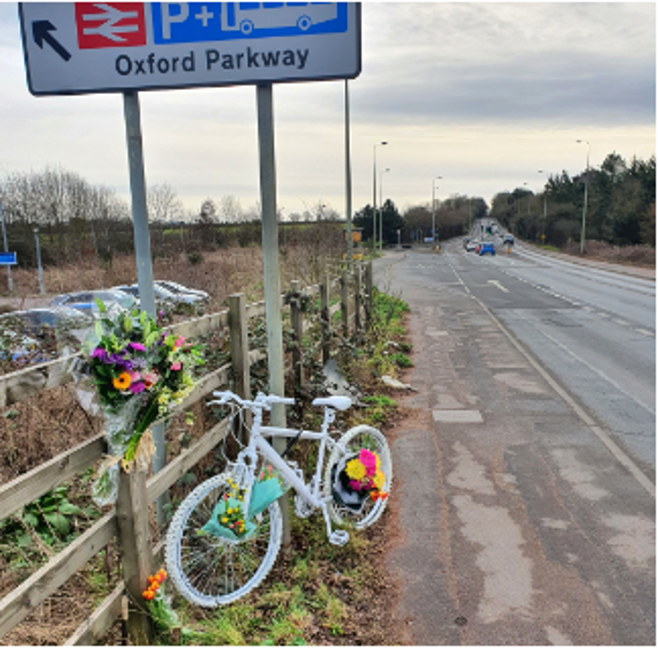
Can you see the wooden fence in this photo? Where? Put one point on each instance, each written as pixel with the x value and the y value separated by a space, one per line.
pixel 128 521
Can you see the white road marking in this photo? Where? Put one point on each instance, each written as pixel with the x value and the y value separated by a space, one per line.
pixel 498 285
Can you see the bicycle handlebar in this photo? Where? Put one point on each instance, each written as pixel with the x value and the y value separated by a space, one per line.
pixel 262 401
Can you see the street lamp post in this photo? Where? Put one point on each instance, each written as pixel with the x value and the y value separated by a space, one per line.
pixel 36 238
pixel 374 194
pixel 543 226
pixel 582 231
pixel 434 209
pixel 525 184
pixel 381 204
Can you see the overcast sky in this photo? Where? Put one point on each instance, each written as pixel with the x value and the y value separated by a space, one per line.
pixel 483 94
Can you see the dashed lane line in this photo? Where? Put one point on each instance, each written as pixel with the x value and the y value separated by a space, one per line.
pixel 601 434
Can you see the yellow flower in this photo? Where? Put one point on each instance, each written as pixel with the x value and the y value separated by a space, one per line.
pixel 224 520
pixel 355 470
pixel 122 382
pixel 379 480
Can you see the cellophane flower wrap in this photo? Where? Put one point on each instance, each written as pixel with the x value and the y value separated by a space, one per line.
pixel 140 373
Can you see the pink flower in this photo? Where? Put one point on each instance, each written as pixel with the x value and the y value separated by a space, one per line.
pixel 150 378
pixel 356 485
pixel 369 460
pixel 176 366
pixel 179 341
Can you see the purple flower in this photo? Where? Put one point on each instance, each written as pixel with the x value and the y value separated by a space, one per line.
pixel 120 362
pixel 137 346
pixel 136 387
pixel 100 354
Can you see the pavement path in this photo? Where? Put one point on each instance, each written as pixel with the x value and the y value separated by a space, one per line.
pixel 517 525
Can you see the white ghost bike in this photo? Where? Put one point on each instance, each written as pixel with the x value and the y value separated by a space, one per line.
pixel 215 553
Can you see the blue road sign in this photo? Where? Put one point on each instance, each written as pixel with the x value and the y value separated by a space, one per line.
pixel 7 258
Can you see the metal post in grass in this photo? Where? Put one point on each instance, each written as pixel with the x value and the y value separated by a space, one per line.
pixel 143 253
pixel 271 271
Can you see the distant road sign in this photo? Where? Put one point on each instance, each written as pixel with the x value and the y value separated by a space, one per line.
pixel 88 47
pixel 8 258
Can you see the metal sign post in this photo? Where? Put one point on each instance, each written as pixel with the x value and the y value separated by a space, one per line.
pixel 9 261
pixel 143 252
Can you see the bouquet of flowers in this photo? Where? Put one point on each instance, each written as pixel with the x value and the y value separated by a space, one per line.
pixel 139 372
pixel 228 518
pixel 358 477
pixel 365 474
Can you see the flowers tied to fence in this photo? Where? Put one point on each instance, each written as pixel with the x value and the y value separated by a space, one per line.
pixel 140 373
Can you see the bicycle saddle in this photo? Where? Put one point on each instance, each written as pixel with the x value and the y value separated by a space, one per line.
pixel 337 402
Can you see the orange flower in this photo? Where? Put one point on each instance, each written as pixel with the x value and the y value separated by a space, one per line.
pixel 149 595
pixel 122 382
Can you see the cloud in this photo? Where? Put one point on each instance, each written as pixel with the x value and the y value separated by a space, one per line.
pixel 484 94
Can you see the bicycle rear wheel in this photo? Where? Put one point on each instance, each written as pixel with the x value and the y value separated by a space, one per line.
pixel 361 436
pixel 210 570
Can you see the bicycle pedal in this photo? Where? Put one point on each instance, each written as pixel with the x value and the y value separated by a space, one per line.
pixel 339 537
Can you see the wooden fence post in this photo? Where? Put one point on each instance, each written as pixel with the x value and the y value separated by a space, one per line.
pixel 357 297
pixel 239 344
pixel 324 318
pixel 344 302
pixel 135 550
pixel 368 301
pixel 296 320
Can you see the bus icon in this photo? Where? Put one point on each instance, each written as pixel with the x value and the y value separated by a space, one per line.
pixel 195 22
pixel 248 17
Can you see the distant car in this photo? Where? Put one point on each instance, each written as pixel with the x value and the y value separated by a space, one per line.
pixel 85 301
pixel 508 239
pixel 162 295
pixel 487 248
pixel 179 289
pixel 470 246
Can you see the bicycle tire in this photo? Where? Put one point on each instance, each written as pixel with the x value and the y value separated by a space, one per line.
pixel 209 570
pixel 361 436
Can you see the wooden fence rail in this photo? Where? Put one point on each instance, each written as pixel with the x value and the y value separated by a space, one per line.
pixel 128 521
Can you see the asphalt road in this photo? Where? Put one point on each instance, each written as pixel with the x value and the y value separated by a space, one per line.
pixel 524 494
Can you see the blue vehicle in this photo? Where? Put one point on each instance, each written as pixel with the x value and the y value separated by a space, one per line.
pixel 487 248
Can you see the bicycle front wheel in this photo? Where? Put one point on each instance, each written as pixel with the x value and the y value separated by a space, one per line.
pixel 359 437
pixel 210 570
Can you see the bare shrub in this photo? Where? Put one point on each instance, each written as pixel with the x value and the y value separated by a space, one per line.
pixel 642 255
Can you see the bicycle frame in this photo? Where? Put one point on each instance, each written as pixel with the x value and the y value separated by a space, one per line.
pixel 310 492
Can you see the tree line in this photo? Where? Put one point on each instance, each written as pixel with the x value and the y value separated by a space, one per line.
pixel 621 205
pixel 74 219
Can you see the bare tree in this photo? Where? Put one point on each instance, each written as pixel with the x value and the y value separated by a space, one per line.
pixel 231 210
pixel 163 204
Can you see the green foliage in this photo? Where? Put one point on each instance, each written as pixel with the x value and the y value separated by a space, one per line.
pixel 52 517
pixel 402 360
pixel 195 258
